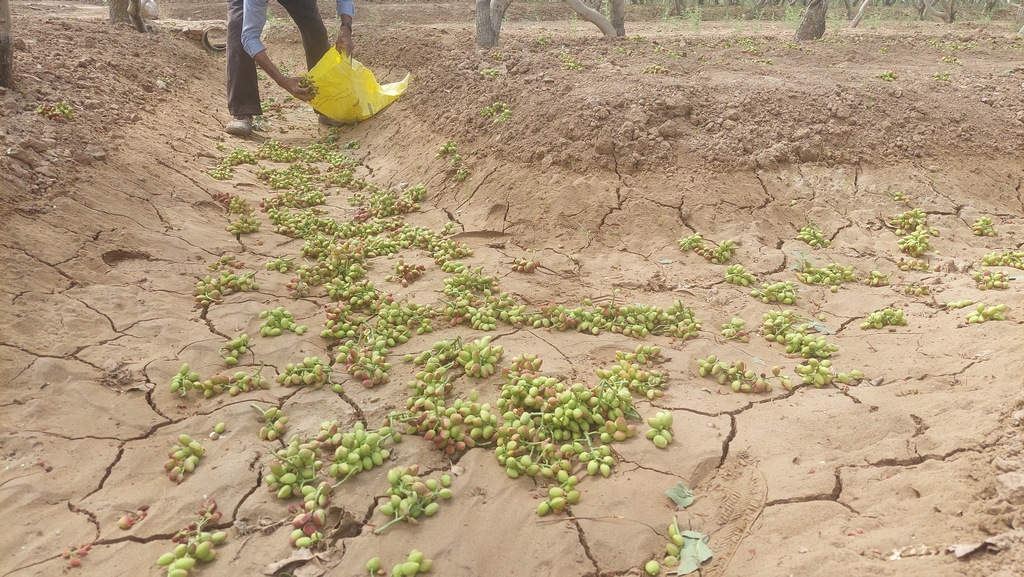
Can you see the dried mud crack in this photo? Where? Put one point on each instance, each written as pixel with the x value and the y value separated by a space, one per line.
pixel 97 253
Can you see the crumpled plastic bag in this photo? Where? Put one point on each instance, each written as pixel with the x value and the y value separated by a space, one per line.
pixel 347 91
pixel 150 9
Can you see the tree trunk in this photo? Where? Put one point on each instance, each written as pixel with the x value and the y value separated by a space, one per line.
pixel 678 8
pixel 618 13
pixel 1020 19
pixel 860 13
pixel 127 11
pixel 119 11
pixel 929 9
pixel 812 25
pixel 489 14
pixel 592 16
pixel 849 9
pixel 6 45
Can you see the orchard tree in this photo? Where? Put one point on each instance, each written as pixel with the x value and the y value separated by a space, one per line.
pixel 860 14
pixel 614 27
pixel 812 25
pixel 128 11
pixel 490 13
pixel 6 45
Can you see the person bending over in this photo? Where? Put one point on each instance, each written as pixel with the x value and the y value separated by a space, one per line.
pixel 246 19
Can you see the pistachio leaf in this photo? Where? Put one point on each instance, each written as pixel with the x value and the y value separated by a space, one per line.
pixel 694 551
pixel 681 495
pixel 821 328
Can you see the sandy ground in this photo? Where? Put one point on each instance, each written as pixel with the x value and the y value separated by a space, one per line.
pixel 110 218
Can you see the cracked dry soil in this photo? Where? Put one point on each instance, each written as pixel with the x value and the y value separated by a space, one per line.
pixel 108 220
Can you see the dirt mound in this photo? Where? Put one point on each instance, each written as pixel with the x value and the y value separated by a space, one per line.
pixel 660 101
pixel 612 152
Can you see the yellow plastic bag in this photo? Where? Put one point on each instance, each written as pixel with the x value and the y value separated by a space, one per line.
pixel 347 91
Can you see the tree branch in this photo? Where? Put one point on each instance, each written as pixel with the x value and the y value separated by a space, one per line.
pixel 592 16
pixel 860 13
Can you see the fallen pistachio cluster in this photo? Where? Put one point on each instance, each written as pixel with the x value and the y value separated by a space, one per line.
pixel 737 275
pixel 780 292
pixel 917 290
pixel 411 497
pixel 277 320
pixel 884 318
pixel 987 279
pixel 660 432
pixel 740 378
pixel 415 563
pixel 720 253
pixel 184 457
pixel 1010 258
pixel 311 371
pixel 833 274
pixel 984 313
pixel 984 227
pixel 479 358
pixel 734 330
pixel 235 348
pixel 877 279
pixel 813 236
pixel 194 544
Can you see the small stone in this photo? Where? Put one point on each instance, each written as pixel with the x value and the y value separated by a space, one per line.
pixel 809 153
pixel 1005 465
pixel 604 145
pixel 679 108
pixel 47 170
pixel 37 144
pixel 1010 486
pixel 24 155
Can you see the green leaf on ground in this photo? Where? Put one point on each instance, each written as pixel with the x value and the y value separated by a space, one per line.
pixel 694 551
pixel 681 495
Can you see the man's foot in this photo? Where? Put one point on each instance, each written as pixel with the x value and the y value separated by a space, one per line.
pixel 328 121
pixel 240 126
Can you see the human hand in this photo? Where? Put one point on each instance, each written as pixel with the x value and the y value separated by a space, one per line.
pixel 292 84
pixel 344 41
